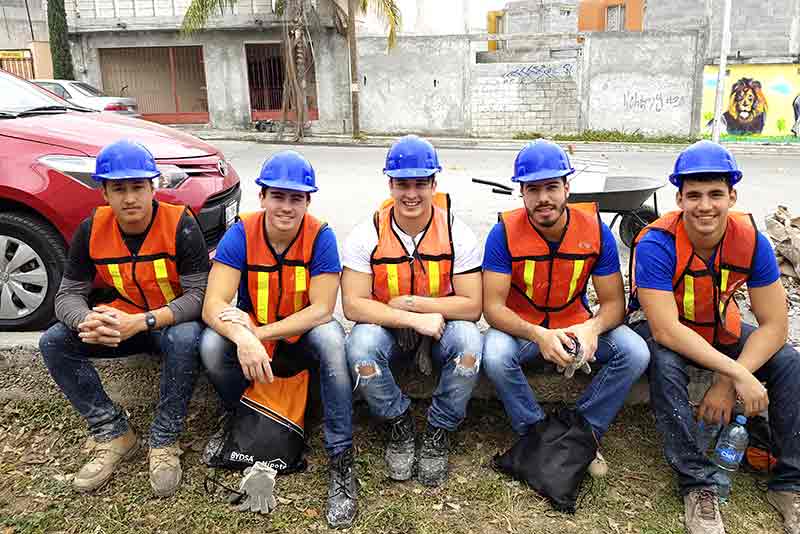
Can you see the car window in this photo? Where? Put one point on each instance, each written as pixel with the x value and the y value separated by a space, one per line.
pixel 20 95
pixel 87 89
pixel 54 88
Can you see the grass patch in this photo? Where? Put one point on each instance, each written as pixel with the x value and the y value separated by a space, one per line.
pixel 612 136
pixel 41 446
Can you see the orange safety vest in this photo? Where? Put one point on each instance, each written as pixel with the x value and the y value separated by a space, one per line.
pixel 548 288
pixel 427 271
pixel 704 295
pixel 144 281
pixel 278 286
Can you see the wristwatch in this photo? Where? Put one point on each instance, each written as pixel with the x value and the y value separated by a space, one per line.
pixel 150 321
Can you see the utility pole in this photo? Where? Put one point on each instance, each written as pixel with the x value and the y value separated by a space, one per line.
pixel 28 10
pixel 725 46
pixel 352 5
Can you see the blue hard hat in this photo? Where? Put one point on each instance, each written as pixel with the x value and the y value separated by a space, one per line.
pixel 412 157
pixel 705 157
pixel 288 170
pixel 541 160
pixel 125 160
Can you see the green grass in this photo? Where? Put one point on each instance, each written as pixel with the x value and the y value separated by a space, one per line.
pixel 611 136
pixel 41 446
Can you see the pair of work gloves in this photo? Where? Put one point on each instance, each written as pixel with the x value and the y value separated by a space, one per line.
pixel 579 359
pixel 256 490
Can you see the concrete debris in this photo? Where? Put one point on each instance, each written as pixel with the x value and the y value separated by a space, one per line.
pixel 784 230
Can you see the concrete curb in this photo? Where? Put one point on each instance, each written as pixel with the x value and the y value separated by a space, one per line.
pixel 466 143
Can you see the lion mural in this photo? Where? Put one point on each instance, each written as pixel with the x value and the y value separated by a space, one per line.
pixel 796 127
pixel 747 108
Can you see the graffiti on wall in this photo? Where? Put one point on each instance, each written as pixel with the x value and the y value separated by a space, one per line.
pixel 760 101
pixel 539 73
pixel 652 103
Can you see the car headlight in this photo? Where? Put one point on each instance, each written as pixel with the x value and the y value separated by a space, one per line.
pixel 79 168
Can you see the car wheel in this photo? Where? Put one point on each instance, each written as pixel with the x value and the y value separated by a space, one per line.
pixel 32 256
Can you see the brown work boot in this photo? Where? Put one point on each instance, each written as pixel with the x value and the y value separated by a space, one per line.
pixel 107 456
pixel 165 470
pixel 788 504
pixel 701 513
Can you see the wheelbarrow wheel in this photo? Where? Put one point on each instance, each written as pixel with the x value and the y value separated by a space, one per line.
pixel 633 222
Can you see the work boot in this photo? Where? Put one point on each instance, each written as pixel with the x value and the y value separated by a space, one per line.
pixel 217 440
pixel 400 447
pixel 432 470
pixel 788 504
pixel 342 491
pixel 107 456
pixel 165 470
pixel 701 512
pixel 598 468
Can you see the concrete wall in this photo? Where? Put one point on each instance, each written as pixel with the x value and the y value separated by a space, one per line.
pixel 759 28
pixel 541 48
pixel 650 82
pixel 15 31
pixel 507 98
pixel 226 69
pixel 541 16
pixel 418 87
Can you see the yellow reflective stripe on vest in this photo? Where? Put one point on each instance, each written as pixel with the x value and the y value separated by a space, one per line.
pixel 723 288
pixel 433 278
pixel 113 270
pixel 688 297
pixel 162 278
pixel 262 304
pixel 394 284
pixel 577 270
pixel 530 269
pixel 299 287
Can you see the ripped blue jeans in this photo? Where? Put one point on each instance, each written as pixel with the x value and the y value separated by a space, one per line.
pixel 457 357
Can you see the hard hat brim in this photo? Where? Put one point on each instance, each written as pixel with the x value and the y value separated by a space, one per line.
pixel 288 184
pixel 126 175
pixel 542 175
pixel 733 176
pixel 411 173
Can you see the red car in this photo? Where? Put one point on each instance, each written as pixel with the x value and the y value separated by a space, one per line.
pixel 47 151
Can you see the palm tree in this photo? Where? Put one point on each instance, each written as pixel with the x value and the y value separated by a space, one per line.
pixel 299 18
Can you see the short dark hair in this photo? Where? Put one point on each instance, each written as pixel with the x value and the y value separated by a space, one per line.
pixel 706 177
pixel 430 178
pixel 264 192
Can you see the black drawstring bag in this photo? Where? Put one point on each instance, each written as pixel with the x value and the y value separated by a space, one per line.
pixel 553 457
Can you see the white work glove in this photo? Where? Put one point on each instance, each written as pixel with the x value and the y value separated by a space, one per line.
pixel 579 361
pixel 256 489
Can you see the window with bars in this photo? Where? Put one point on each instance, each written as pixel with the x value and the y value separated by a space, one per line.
pixel 615 18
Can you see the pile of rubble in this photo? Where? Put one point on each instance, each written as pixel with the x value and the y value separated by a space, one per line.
pixel 784 231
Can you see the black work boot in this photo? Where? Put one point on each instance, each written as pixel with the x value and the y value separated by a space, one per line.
pixel 342 491
pixel 432 469
pixel 400 447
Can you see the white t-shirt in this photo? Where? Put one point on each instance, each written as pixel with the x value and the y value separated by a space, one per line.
pixel 364 238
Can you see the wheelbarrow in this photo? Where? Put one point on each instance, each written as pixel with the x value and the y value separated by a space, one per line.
pixel 624 196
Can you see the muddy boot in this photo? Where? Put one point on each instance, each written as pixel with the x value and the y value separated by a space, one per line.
pixel 107 456
pixel 701 512
pixel 432 470
pixel 342 491
pixel 165 470
pixel 215 443
pixel 788 504
pixel 400 448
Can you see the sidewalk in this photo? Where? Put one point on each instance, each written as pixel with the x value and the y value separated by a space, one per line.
pixel 475 143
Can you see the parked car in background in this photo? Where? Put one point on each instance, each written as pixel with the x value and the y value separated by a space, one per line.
pixel 85 95
pixel 47 157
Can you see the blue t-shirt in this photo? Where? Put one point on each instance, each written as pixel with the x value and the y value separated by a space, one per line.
pixel 497 258
pixel 656 257
pixel 232 251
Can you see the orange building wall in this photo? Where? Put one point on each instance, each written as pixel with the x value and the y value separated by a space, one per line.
pixel 592 14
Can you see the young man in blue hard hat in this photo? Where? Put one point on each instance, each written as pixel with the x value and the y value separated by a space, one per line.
pixel 412 271
pixel 686 268
pixel 154 256
pixel 536 269
pixel 284 313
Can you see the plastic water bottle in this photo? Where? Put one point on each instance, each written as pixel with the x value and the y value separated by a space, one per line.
pixel 731 445
pixel 707 437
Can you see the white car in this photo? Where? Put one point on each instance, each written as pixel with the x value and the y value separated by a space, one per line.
pixel 85 95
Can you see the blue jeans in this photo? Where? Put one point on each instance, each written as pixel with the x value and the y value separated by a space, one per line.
pixel 624 356
pixel 67 359
pixel 374 347
pixel 669 397
pixel 324 344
